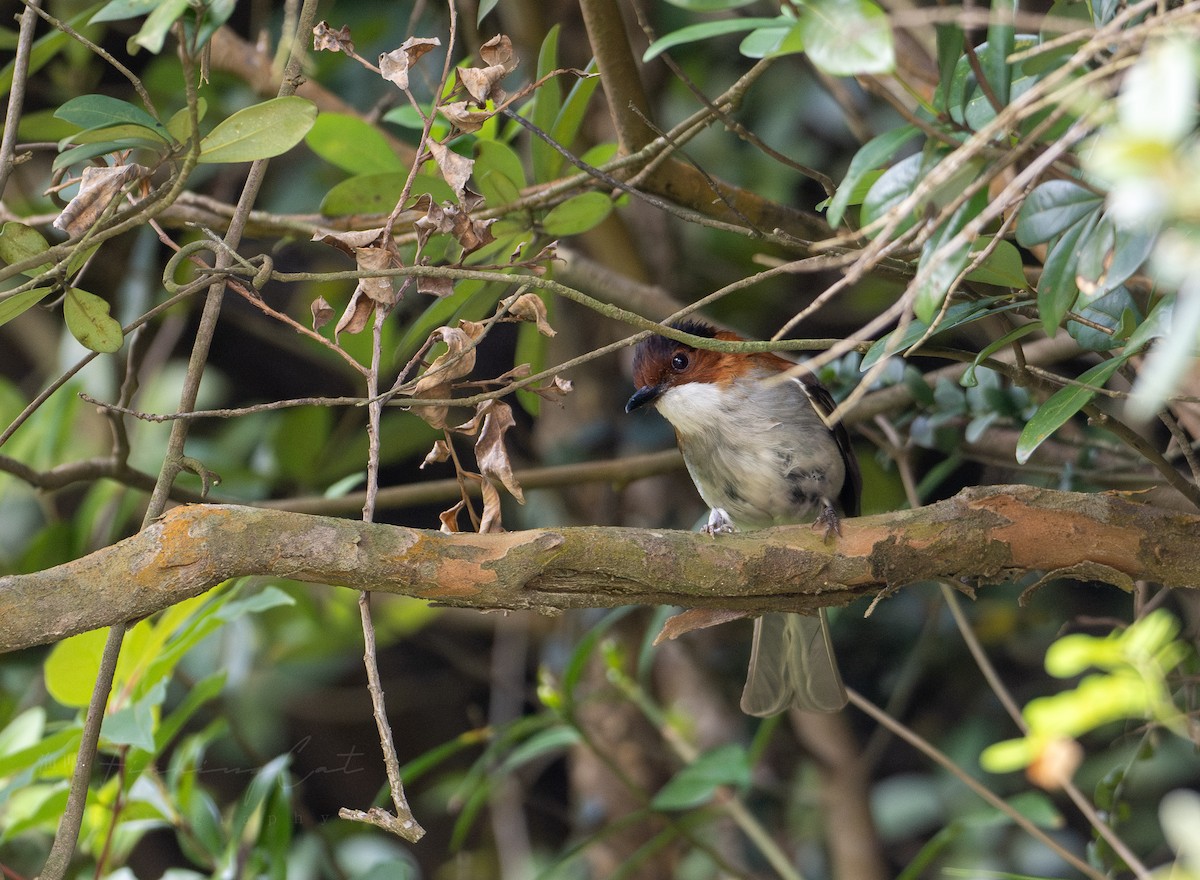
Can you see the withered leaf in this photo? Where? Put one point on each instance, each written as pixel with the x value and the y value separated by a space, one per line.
pixel 490 521
pixel 556 390
pixel 529 307
pixel 482 83
pixel 358 312
pixel 395 65
pixel 98 187
pixel 326 39
pixel 498 51
pixel 437 381
pixel 459 115
pixel 449 519
pixel 695 618
pixel 439 453
pixel 379 289
pixel 490 451
pixel 438 287
pixel 455 168
pixel 348 242
pixel 322 312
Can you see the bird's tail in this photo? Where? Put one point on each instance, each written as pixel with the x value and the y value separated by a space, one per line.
pixel 792 664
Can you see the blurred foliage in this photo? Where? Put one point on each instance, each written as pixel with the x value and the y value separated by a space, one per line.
pixel 996 179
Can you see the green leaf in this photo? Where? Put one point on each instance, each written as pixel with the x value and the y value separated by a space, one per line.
pixel 949 51
pixel 847 37
pixel 180 125
pixel 19 242
pixel 1116 310
pixel 378 193
pixel 14 305
pixel 47 757
pixel 157 25
pixel 870 156
pixel 1003 266
pixel 707 30
pixel 89 321
pixel 101 111
pixel 893 187
pixel 549 742
pixel 1111 254
pixel 1061 406
pixel 351 144
pixel 1057 290
pixel 697 783
pixel 259 132
pixel 546 162
pixel 1053 208
pixel 939 267
pixel 574 108
pixel 577 214
pixel 498 172
pixel 1000 38
pixel 119 10
pixel 957 315
pixel 968 379
pixel 126 132
pixel 134 724
pixel 770 41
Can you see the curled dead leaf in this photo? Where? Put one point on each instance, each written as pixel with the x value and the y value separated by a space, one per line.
pixel 529 307
pixel 449 519
pixel 436 382
pixel 556 390
pixel 349 242
pixel 356 315
pixel 466 120
pixel 694 618
pixel 395 65
pixel 98 188
pixel 439 453
pixel 373 259
pixel 498 51
pixel 490 451
pixel 322 312
pixel 455 168
pixel 326 39
pixel 483 83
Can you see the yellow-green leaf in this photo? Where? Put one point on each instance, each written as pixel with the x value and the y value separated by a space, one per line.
pixel 260 132
pixel 89 321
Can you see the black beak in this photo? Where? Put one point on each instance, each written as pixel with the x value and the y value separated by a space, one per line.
pixel 643 396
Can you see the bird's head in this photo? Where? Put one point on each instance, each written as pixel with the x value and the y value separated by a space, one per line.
pixel 660 364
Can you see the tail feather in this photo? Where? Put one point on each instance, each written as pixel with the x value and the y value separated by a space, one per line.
pixel 792 664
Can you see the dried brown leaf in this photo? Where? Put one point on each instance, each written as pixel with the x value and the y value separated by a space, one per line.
pixel 98 188
pixel 530 307
pixel 326 39
pixel 455 168
pixel 395 65
pixel 322 312
pixel 436 382
pixel 695 618
pixel 358 312
pixel 463 118
pixel 490 451
pixel 556 390
pixel 349 242
pixel 498 51
pixel 438 287
pixel 372 259
pixel 439 453
pixel 449 518
pixel 482 83
pixel 490 521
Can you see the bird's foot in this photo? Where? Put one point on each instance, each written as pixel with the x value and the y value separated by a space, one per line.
pixel 830 520
pixel 719 523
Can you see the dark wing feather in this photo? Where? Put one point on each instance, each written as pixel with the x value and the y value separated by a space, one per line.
pixel 851 494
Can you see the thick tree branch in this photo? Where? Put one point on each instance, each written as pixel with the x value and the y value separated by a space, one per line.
pixel 983 535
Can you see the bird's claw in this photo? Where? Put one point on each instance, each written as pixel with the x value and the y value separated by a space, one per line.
pixel 719 523
pixel 830 520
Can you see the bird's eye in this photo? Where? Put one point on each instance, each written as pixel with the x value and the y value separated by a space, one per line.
pixel 679 362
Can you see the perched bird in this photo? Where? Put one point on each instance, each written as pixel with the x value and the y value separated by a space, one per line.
pixel 761 454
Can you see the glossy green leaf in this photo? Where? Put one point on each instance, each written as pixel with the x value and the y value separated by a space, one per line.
pixel 847 37
pixel 545 161
pixel 128 132
pixel 351 144
pixel 870 156
pixel 1110 255
pixel 101 111
pixel 957 315
pixel 768 41
pixel 1061 406
pixel 577 214
pixel 1116 310
pixel 949 51
pixel 574 108
pixel 90 323
pixel 1057 289
pixel 260 131
pixel 698 782
pixel 19 242
pixel 707 30
pixel 1053 208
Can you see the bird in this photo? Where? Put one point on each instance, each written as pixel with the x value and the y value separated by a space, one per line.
pixel 761 454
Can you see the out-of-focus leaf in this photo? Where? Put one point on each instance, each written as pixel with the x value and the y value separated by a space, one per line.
pixel 697 783
pixel 940 265
pixel 956 316
pixel 870 156
pixel 706 30
pixel 1110 255
pixel 260 131
pixel 351 144
pixel 847 37
pixel 1003 266
pixel 893 187
pixel 546 161
pixel 20 242
pixel 378 193
pixel 1057 291
pixel 577 214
